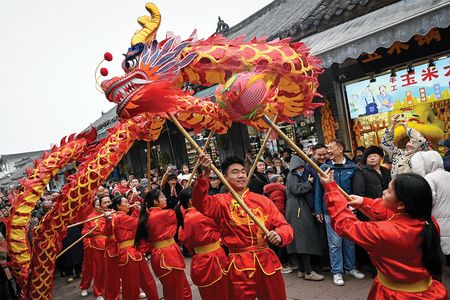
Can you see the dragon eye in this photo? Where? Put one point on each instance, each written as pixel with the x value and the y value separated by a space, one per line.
pixel 129 64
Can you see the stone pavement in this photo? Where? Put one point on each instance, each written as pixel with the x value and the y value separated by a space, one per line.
pixel 296 288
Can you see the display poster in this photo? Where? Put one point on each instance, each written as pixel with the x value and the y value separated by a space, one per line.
pixel 426 84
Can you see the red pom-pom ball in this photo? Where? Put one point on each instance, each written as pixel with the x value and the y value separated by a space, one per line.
pixel 104 71
pixel 108 56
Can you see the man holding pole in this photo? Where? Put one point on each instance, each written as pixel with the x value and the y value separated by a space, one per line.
pixel 254 269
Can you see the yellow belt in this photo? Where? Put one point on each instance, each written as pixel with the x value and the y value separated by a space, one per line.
pixel 163 243
pixel 99 236
pixel 419 286
pixel 207 248
pixel 127 243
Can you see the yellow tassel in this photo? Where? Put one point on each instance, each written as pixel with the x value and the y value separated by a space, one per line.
pixel 298 213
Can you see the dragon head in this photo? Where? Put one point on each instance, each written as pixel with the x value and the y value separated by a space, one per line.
pixel 151 70
pixel 422 119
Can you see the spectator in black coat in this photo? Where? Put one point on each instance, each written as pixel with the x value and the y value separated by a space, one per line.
pixel 371 179
pixel 446 158
pixel 214 184
pixel 171 190
pixel 259 179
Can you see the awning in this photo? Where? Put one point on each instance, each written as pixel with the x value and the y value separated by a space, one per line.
pixel 381 28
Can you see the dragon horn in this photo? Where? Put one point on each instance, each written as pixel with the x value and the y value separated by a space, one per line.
pixel 149 25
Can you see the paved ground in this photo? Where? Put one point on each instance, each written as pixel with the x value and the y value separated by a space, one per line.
pixel 296 288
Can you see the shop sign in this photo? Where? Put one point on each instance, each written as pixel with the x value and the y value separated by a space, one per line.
pixel 384 93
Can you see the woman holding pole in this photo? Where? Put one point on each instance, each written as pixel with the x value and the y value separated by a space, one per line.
pixel 94 249
pixel 201 236
pixel 158 226
pixel 132 267
pixel 405 248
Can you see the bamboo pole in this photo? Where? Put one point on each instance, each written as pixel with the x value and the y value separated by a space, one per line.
pixel 260 152
pixel 219 174
pixel 148 164
pixel 197 163
pixel 85 221
pixel 77 241
pixel 301 153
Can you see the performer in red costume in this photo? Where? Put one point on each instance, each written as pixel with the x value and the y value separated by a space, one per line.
pixel 405 248
pixel 254 269
pixel 134 270
pixel 201 236
pixel 112 270
pixel 159 226
pixel 95 250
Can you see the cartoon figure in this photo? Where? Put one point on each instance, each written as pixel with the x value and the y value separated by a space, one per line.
pixel 371 106
pixel 384 99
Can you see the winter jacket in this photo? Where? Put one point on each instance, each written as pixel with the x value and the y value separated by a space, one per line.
pixel 400 158
pixel 367 182
pixel 430 165
pixel 277 193
pixel 343 175
pixel 447 161
pixel 294 164
pixel 257 183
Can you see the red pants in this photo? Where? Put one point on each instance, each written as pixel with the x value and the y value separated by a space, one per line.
pixel 87 271
pixel 176 286
pixel 112 278
pixel 260 285
pixel 136 274
pixel 95 265
pixel 218 290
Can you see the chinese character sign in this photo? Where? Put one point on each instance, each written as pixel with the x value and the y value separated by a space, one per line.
pixel 425 84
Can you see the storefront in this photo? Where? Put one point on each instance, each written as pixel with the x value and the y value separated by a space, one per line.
pixel 399 64
pixel 359 43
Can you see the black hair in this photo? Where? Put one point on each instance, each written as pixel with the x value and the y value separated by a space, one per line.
pixel 115 203
pixel 185 196
pixel 318 146
pixel 339 142
pixel 141 232
pixel 229 161
pixel 361 148
pixel 415 193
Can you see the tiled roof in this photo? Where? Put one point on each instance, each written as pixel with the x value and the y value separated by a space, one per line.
pixel 283 18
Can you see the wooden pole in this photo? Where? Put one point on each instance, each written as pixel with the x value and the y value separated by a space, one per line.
pixel 77 241
pixel 300 152
pixel 85 221
pixel 219 174
pixel 197 163
pixel 149 149
pixel 260 152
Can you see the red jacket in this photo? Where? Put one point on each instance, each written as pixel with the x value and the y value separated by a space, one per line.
pixel 198 231
pixel 277 193
pixel 111 245
pixel 124 230
pixel 394 245
pixel 239 233
pixel 162 225
pixel 97 238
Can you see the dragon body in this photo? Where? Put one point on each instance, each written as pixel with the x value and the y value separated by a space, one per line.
pixel 35 265
pixel 91 174
pixel 33 186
